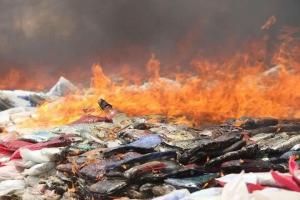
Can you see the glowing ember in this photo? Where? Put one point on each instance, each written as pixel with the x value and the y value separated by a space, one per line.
pixel 240 86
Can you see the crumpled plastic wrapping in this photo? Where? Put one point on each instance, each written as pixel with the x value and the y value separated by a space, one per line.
pixel 39 169
pixel 39 156
pixel 11 186
pixel 9 172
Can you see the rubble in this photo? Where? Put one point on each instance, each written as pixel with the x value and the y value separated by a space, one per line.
pixel 20 98
pixel 18 106
pixel 116 156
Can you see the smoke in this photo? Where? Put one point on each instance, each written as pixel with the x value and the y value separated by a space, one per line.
pixel 65 37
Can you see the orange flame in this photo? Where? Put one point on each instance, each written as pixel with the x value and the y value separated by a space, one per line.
pixel 240 86
pixel 37 78
pixel 16 79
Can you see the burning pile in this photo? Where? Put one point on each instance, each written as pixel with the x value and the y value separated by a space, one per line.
pixel 144 157
pixel 253 82
pixel 160 137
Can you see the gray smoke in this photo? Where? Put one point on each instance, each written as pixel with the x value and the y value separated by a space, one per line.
pixel 61 36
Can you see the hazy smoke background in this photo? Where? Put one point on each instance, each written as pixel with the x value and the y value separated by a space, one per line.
pixel 63 36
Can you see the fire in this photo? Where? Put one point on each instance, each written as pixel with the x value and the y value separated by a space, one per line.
pixel 243 85
pixel 16 79
pixel 37 79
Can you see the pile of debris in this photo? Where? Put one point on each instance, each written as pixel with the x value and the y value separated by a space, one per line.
pixel 145 157
pixel 19 105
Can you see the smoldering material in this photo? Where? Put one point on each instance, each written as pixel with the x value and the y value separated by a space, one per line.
pixel 246 152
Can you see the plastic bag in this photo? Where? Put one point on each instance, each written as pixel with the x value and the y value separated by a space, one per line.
pixel 175 195
pixel 257 178
pixel 11 186
pixel 206 194
pixel 39 156
pixel 9 172
pixel 39 169
pixel 236 190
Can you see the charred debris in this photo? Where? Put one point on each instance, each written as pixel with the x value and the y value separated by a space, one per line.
pixel 116 156
pixel 144 158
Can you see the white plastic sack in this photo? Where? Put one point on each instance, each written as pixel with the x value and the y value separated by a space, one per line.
pixel 9 172
pixel 236 190
pixel 11 186
pixel 4 118
pixel 24 164
pixel 39 169
pixel 206 194
pixel 39 156
pixel 175 195
pixel 263 178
